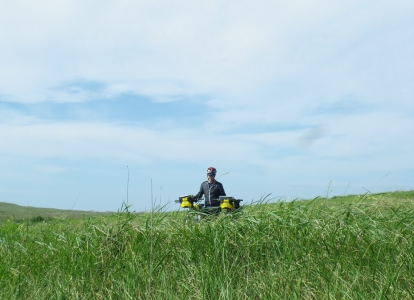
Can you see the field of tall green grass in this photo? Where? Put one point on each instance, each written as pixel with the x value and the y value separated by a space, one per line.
pixel 354 247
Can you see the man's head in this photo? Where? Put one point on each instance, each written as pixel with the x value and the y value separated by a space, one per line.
pixel 211 174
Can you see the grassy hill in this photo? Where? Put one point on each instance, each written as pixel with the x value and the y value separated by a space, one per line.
pixel 17 213
pixel 354 247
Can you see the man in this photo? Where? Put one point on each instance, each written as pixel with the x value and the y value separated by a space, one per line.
pixel 211 189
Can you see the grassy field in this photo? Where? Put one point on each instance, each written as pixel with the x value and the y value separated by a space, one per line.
pixel 354 247
pixel 19 213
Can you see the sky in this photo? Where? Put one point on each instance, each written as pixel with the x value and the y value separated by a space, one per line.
pixel 111 102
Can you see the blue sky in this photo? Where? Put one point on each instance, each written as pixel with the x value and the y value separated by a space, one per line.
pixel 290 98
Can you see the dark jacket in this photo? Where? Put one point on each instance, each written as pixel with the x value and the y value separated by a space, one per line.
pixel 211 194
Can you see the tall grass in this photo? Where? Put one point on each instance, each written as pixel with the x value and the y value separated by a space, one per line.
pixel 354 249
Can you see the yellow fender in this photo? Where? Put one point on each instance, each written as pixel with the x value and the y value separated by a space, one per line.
pixel 226 204
pixel 185 203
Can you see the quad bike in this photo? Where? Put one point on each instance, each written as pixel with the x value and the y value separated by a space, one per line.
pixel 198 211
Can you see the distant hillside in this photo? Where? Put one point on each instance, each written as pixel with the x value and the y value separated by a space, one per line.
pixel 20 213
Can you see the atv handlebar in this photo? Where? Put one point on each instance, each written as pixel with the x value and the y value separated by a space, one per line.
pixel 178 201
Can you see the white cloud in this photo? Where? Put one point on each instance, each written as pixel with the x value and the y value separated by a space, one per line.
pixel 343 137
pixel 114 144
pixel 167 48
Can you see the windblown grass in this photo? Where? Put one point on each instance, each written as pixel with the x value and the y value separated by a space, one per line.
pixel 360 247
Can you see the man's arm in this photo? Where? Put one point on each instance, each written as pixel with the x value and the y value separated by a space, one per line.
pixel 222 192
pixel 200 193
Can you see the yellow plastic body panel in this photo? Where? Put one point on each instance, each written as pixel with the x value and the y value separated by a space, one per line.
pixel 226 204
pixel 185 203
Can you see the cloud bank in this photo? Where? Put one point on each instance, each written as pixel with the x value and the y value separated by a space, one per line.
pixel 284 96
